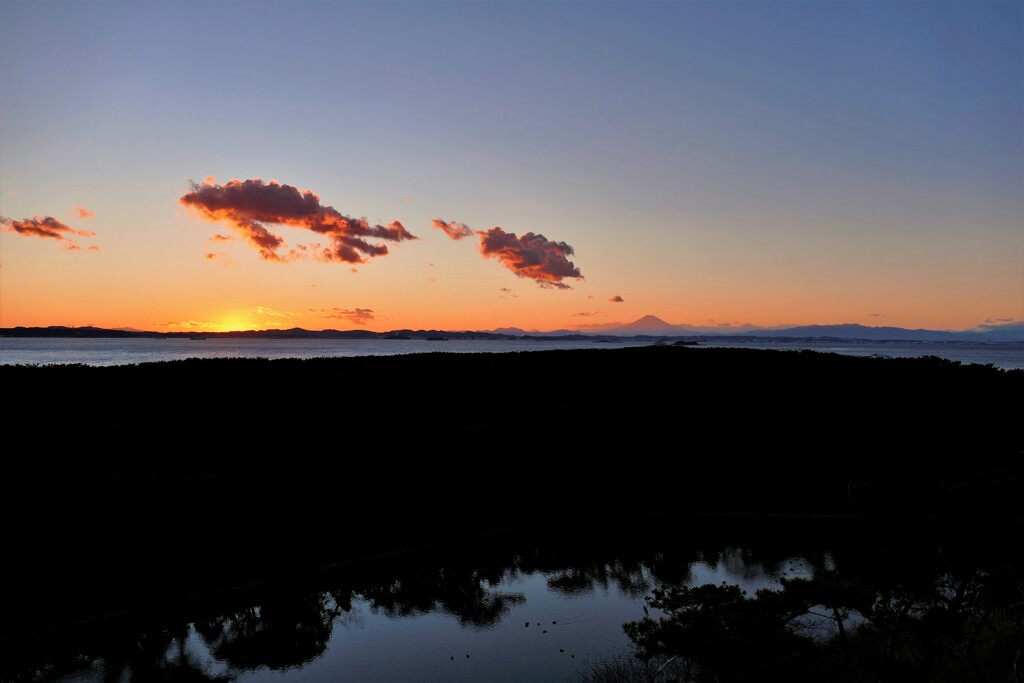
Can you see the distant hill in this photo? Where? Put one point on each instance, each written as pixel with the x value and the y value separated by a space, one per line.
pixel 854 331
pixel 649 324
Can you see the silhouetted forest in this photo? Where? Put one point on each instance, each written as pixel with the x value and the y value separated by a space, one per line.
pixel 145 485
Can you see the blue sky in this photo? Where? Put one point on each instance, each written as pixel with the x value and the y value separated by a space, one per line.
pixel 767 162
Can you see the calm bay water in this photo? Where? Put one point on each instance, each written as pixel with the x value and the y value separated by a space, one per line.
pixel 125 351
pixel 550 607
pixel 446 618
pixel 1009 356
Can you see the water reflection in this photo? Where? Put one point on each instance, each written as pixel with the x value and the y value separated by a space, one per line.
pixel 278 634
pixel 921 607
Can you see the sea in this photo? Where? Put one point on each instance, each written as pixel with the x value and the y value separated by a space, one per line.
pixel 46 351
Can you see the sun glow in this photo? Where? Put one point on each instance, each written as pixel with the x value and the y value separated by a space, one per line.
pixel 235 324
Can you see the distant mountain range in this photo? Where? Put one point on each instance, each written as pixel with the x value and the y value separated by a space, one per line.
pixel 653 326
pixel 646 327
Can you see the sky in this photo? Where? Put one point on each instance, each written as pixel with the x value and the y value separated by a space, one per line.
pixel 544 165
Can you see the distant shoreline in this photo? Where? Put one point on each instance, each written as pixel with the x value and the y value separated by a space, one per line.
pixel 63 332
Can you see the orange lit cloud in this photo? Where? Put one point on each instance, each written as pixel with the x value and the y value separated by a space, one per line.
pixel 531 256
pixel 359 316
pixel 616 299
pixel 456 231
pixel 83 212
pixel 220 257
pixel 247 205
pixel 222 238
pixel 47 227
pixel 275 314
pixel 188 324
pixel 588 314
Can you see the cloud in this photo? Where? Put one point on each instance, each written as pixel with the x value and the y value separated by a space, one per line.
pixel 222 238
pixel 359 316
pixel 275 314
pixel 506 292
pixel 455 230
pixel 94 248
pixel 46 227
pixel 531 256
pixel 993 324
pixel 220 257
pixel 247 205
pixel 84 213
pixel 588 314
pixel 875 315
pixel 616 299
pixel 187 324
pixel 597 327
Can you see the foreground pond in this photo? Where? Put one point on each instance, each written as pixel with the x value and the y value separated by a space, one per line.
pixel 551 605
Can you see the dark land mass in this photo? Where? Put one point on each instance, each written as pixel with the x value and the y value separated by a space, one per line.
pixel 633 332
pixel 139 487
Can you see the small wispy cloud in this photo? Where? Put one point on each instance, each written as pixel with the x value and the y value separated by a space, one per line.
pixel 84 213
pixel 188 324
pixel 616 299
pixel 46 227
pixel 275 314
pixel 219 257
pixel 453 229
pixel 358 316
pixel 1000 323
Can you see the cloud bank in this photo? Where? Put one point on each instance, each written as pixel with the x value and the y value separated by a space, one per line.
pixel 247 206
pixel 47 227
pixel 532 256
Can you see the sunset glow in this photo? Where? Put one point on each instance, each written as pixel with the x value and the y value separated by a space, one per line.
pixel 500 165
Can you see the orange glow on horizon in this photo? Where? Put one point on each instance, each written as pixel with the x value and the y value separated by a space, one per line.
pixel 233 323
